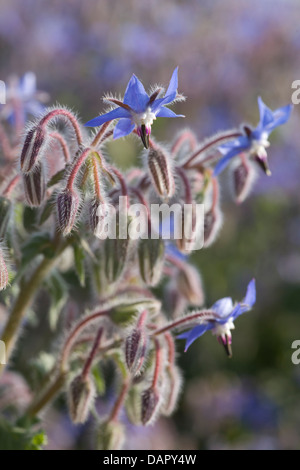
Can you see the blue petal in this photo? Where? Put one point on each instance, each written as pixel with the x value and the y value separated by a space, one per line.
pixel 195 333
pixel 223 307
pixel 280 116
pixel 114 114
pixel 265 113
pixel 250 297
pixel 123 128
pixel 173 86
pixel 222 164
pixel 168 113
pixel 135 95
pixel 170 95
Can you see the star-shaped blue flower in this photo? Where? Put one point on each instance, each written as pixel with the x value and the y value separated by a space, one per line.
pixel 255 141
pixel 138 109
pixel 223 314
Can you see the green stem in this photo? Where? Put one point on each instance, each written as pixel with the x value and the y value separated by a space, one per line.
pixel 23 302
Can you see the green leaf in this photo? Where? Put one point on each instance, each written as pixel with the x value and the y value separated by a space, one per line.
pixel 14 437
pixel 58 293
pixel 37 441
pixel 99 380
pixel 38 244
pixel 56 178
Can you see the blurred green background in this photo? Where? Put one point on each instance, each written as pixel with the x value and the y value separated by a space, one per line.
pixel 228 53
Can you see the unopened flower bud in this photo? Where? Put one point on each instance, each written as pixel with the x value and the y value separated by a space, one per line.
pixel 136 346
pixel 151 260
pixel 172 384
pixel 161 172
pixel 189 284
pixel 35 185
pixel 4 277
pixel 5 211
pixel 68 205
pixel 81 394
pixel 191 220
pixel 150 405
pixel 99 213
pixel 243 178
pixel 212 225
pixel 115 253
pixel 111 436
pixel 34 145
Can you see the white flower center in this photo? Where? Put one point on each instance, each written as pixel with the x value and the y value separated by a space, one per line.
pixel 145 118
pixel 222 330
pixel 259 146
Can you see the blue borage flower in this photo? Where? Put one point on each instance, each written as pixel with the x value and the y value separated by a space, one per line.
pixel 221 318
pixel 255 141
pixel 138 109
pixel 24 90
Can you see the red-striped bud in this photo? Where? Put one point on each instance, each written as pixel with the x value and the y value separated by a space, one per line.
pixel 34 145
pixel 35 185
pixel 161 172
pixel 68 206
pixel 81 394
pixel 243 175
pixel 150 405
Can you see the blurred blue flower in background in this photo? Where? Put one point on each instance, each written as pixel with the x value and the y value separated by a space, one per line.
pixel 256 140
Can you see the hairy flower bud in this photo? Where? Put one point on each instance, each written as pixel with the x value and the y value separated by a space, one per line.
pixel 150 405
pixel 189 284
pixel 4 277
pixel 212 225
pixel 111 436
pixel 99 213
pixel 161 172
pixel 81 394
pixel 243 175
pixel 5 211
pixel 172 384
pixel 68 205
pixel 35 185
pixel 191 221
pixel 115 253
pixel 151 260
pixel 136 346
pixel 34 145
